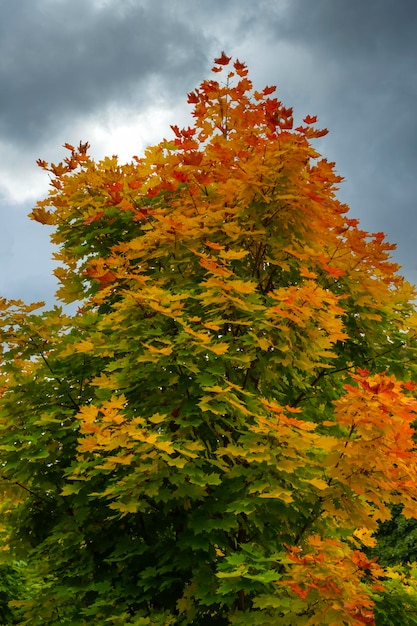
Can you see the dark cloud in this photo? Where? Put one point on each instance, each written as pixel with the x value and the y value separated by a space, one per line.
pixel 65 64
pixel 64 59
pixel 368 51
pixel 353 29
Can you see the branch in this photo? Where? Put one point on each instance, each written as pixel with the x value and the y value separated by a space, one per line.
pixel 347 368
pixel 32 493
pixel 55 377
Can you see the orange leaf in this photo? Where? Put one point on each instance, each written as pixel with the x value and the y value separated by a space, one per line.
pixel 93 218
pixel 310 119
pixel 222 60
pixel 192 97
pixel 42 216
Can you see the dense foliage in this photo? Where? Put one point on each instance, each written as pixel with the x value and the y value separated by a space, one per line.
pixel 217 433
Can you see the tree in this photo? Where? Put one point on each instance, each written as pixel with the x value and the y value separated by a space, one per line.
pixel 217 433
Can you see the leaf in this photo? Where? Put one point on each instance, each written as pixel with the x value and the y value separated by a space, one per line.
pixel 157 418
pixel 42 216
pixel 222 60
pixel 279 494
pixel 224 423
pixel 309 119
pixel 93 218
pixel 218 348
pixel 319 483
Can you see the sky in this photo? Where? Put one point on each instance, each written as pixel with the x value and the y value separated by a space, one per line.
pixel 116 73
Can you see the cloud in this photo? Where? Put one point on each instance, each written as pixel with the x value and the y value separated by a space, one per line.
pixel 25 256
pixel 355 30
pixel 116 73
pixel 62 60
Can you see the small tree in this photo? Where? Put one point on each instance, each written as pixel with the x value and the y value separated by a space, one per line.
pixel 217 433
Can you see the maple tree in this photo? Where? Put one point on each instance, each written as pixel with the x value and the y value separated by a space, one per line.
pixel 218 432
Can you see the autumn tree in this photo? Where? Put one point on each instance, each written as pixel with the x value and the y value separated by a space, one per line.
pixel 218 432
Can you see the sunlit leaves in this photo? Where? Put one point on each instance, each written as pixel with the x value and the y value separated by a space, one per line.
pixel 220 428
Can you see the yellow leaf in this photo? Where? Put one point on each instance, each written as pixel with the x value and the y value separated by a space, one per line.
pixel 87 444
pixel 365 536
pixel 104 382
pixel 165 446
pixel 263 342
pixel 279 494
pixel 157 418
pixel 203 337
pixel 319 483
pixel 212 326
pixel 121 460
pixel 243 286
pixel 84 346
pixel 88 413
pixel 217 389
pixel 238 405
pixel 129 507
pixel 164 351
pixel 233 255
pixel 70 489
pixel 43 216
pixel 218 348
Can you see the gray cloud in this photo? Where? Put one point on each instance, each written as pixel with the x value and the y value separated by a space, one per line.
pixel 64 64
pixel 368 50
pixel 355 29
pixel 64 59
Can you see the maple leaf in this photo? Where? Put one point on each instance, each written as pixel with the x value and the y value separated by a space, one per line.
pixel 223 59
pixel 42 216
pixel 93 218
pixel 310 119
pixel 241 68
pixel 236 388
pixel 193 97
pixel 176 131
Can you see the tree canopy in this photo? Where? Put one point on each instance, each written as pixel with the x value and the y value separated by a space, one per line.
pixel 219 430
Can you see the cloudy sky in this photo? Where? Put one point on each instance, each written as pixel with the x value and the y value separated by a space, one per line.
pixel 116 73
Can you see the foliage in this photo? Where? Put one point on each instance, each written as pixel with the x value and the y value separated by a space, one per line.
pixel 396 539
pixel 12 585
pixel 216 434
pixel 397 605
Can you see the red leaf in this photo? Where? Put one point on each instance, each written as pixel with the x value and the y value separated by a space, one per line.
pixel 240 68
pixel 114 187
pixel 222 60
pixel 180 176
pixel 310 119
pixel 193 158
pixel 108 277
pixel 176 131
pixel 134 184
pixel 192 97
pixel 362 372
pixel 93 218
pixel 352 222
